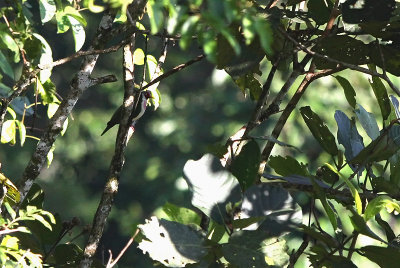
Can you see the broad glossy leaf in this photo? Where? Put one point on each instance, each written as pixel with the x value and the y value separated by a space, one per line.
pixel 78 32
pixel 8 132
pixel 245 166
pixel 7 42
pixel 212 186
pixel 368 122
pixel 255 249
pixel 320 10
pixel 326 174
pixel 342 48
pixel 274 202
pixel 319 130
pixel 172 243
pixel 138 56
pixel 349 91
pixel 47 10
pixel 45 58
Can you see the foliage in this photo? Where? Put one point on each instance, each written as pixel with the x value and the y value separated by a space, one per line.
pixel 248 208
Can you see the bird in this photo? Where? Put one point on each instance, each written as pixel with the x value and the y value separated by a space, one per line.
pixel 136 113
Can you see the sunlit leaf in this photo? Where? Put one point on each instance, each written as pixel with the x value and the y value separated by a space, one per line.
pixel 47 10
pixel 379 203
pixel 368 122
pixel 171 243
pixel 8 131
pixel 349 91
pixel 78 32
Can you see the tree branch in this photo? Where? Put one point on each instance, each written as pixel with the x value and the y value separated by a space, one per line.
pixel 79 84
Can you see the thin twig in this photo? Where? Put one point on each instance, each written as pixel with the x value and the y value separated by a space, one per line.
pixel 174 70
pixel 123 250
pixel 341 63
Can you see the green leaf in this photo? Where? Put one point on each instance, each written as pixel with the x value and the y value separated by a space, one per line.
pixel 22 131
pixel 379 203
pixel 349 91
pixel 251 83
pixel 326 174
pixel 47 92
pixel 8 132
pixel 171 243
pixel 10 242
pixel 319 130
pixel 381 95
pixel 216 231
pixel 287 166
pixel 264 31
pixel 187 31
pixel 245 166
pixel 138 56
pixel 34 197
pixel 52 109
pixel 47 10
pixel 50 155
pixel 78 32
pixel 156 16
pixel 12 113
pixel 368 122
pixel 212 186
pixel 7 42
pixel 320 10
pixel 45 58
pixel 382 148
pixel 328 209
pixel 385 257
pixel 348 136
pixel 180 214
pixel 361 226
pixel 255 249
pixel 72 12
pixel 63 23
pixel 5 66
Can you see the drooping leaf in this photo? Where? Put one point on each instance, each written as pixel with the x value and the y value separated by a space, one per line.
pixel 245 166
pixel 5 66
pixel 361 226
pixel 383 147
pixel 45 58
pixel 379 203
pixel 381 95
pixel 386 227
pixel 287 166
pixel 368 122
pixel 328 209
pixel 349 91
pixel 348 135
pixel 395 104
pixel 326 174
pixel 212 186
pixel 319 130
pixel 171 243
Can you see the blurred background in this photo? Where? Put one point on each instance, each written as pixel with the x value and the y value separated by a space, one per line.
pixel 200 107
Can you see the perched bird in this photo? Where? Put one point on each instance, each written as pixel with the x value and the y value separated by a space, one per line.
pixel 136 113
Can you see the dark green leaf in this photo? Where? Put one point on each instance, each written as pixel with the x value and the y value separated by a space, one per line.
pixel 349 91
pixel 386 227
pixel 326 174
pixel 320 10
pixel 249 82
pixel 47 10
pixel 328 209
pixel 319 130
pixel 287 166
pixel 321 237
pixel 385 257
pixel 361 226
pixel 381 95
pixel 180 214
pixel 5 66
pixel 245 166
